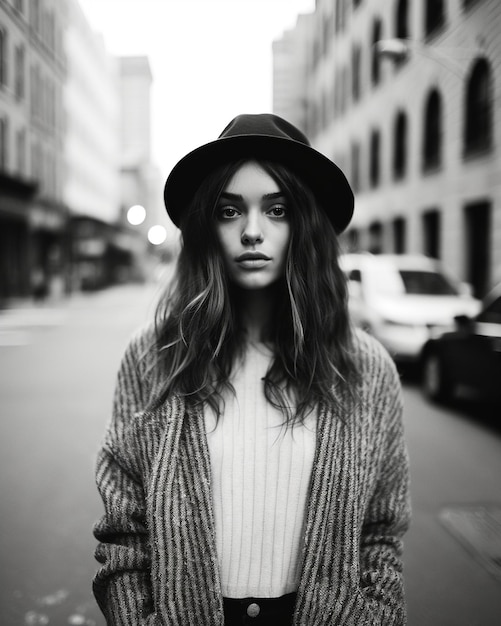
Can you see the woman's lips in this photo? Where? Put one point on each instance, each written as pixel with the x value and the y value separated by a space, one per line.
pixel 252 260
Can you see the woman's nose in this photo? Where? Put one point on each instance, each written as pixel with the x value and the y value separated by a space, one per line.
pixel 252 232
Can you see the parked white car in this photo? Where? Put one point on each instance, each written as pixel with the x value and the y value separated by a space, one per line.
pixel 403 300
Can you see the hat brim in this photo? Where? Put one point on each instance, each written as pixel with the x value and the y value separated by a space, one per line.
pixel 323 177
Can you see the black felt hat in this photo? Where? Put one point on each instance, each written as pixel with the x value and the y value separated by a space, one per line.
pixel 262 136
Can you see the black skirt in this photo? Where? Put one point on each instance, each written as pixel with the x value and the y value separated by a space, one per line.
pixel 259 611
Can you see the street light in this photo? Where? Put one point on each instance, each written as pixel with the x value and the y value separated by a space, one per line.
pixel 395 49
pixel 399 50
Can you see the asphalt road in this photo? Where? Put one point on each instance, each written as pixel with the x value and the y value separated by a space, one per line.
pixel 58 367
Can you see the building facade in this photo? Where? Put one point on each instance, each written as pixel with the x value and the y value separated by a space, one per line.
pixel 140 179
pixel 92 153
pixel 75 132
pixel 33 244
pixel 141 182
pixel 414 122
pixel 290 68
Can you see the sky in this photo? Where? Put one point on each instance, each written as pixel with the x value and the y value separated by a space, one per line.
pixel 210 59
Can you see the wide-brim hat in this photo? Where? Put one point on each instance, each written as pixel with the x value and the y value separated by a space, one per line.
pixel 262 136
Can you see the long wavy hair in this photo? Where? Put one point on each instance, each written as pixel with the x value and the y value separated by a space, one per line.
pixel 197 335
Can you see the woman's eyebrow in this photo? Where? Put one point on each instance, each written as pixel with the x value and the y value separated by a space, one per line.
pixel 226 195
pixel 272 196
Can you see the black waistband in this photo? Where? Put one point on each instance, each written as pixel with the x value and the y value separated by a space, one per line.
pixel 277 611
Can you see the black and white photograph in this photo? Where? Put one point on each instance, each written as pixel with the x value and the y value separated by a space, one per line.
pixel 250 312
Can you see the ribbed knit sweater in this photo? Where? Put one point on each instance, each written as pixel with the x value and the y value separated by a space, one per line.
pixel 260 481
pixel 159 562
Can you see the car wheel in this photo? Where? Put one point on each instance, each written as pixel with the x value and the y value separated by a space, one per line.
pixel 435 382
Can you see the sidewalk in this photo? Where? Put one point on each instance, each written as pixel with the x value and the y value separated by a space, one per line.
pixel 22 316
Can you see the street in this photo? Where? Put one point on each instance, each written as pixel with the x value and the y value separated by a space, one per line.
pixel 58 368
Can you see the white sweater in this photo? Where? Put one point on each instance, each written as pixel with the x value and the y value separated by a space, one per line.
pixel 261 474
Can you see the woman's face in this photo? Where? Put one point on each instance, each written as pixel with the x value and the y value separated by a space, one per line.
pixel 253 227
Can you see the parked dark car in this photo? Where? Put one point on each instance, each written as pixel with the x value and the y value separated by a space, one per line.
pixel 467 359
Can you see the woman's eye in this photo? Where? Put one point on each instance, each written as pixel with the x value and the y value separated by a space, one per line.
pixel 278 211
pixel 227 212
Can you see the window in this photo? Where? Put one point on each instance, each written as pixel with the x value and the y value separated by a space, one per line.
pixel 355 76
pixel 434 16
pixel 3 143
pixel 51 30
pixel 402 20
pixel 431 233
pixel 374 158
pixel 432 139
pixel 19 72
pixel 399 235
pixel 400 146
pixel 377 30
pixel 478 225
pixel 35 15
pixel 352 240
pixel 340 15
pixel 344 90
pixel 478 109
pixel 21 151
pixel 3 57
pixel 427 282
pixel 376 238
pixel 355 166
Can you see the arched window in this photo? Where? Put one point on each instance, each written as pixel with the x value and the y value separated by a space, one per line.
pixel 375 158
pixel 402 20
pixel 434 16
pixel 432 136
pixel 400 146
pixel 377 31
pixel 478 108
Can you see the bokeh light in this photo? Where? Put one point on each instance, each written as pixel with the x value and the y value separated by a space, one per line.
pixel 136 214
pixel 157 234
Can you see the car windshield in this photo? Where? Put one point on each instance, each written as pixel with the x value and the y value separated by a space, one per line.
pixel 423 282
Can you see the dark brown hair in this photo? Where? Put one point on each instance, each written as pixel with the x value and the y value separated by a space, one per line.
pixel 197 335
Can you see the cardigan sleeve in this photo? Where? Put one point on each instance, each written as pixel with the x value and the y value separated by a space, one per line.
pixel 388 514
pixel 122 583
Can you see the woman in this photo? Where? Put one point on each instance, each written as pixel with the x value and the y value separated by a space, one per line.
pixel 255 470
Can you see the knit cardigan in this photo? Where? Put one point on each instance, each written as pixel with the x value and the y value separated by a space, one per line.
pixel 157 550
